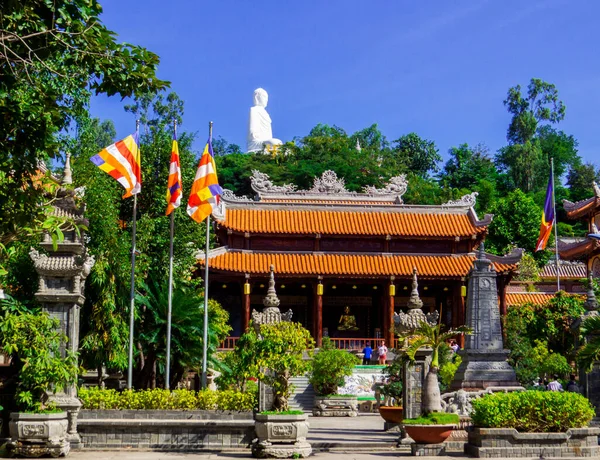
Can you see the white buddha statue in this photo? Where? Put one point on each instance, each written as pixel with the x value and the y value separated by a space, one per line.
pixel 259 124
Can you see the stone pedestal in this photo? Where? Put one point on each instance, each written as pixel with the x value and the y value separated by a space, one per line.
pixel 281 436
pixel 335 406
pixel 413 377
pixel 484 358
pixel 427 450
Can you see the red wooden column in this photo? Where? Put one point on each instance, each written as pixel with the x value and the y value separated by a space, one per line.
pixel 389 333
pixel 318 313
pixel 246 305
pixel 462 317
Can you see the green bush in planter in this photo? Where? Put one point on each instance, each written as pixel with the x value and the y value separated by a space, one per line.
pixel 159 399
pixel 329 367
pixel 533 411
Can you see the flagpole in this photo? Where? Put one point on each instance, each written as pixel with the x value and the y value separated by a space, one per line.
pixel 132 292
pixel 555 227
pixel 205 332
pixel 170 296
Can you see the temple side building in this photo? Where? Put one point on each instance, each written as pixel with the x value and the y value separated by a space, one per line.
pixel 344 260
pixel 587 248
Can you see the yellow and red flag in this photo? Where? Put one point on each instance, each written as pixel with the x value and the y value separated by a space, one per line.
pixel 206 190
pixel 174 188
pixel 121 161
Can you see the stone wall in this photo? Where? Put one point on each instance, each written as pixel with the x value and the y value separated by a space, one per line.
pixel 165 429
pixel 508 442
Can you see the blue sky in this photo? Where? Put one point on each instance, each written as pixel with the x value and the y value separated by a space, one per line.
pixel 439 68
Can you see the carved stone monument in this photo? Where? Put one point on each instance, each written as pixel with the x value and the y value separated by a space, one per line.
pixel 484 357
pixel 260 133
pixel 62 273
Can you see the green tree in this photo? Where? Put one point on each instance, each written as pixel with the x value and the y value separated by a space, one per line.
pixel 330 367
pixel 523 159
pixel 187 327
pixel 579 180
pixel 53 56
pixel 516 224
pixel 415 154
pixel 467 166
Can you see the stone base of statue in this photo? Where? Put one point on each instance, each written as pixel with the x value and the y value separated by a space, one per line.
pixel 482 369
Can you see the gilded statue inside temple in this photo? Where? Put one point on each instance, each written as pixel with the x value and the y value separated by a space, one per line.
pixel 347 321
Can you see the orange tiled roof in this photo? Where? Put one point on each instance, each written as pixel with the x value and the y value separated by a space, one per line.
pixel 519 298
pixel 321 202
pixel 347 264
pixel 364 222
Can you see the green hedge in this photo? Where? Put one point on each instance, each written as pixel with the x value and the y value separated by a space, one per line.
pixel 533 411
pixel 98 398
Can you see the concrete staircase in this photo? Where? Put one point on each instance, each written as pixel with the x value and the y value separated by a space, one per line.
pixel 303 396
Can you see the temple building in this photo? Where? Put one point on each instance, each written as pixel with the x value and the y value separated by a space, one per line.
pixel 344 260
pixel 586 249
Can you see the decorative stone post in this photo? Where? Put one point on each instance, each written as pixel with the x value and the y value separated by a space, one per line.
pixel 270 314
pixel 62 273
pixel 413 374
pixel 484 357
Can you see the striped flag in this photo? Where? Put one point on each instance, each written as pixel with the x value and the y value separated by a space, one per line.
pixel 121 161
pixel 547 218
pixel 205 189
pixel 174 188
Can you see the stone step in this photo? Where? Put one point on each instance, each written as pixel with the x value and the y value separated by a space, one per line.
pixel 303 396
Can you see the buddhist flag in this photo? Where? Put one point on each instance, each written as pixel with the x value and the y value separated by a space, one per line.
pixel 547 217
pixel 121 160
pixel 205 189
pixel 174 183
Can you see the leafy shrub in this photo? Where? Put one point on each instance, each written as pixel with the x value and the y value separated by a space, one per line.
pixel 434 418
pixel 533 411
pixel 448 369
pixel 329 367
pixel 393 379
pixel 159 399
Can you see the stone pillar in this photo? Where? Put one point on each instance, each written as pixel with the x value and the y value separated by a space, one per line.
pixel 62 280
pixel 484 357
pixel 413 375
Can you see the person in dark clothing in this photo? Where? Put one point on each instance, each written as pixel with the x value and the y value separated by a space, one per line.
pixel 573 386
pixel 368 352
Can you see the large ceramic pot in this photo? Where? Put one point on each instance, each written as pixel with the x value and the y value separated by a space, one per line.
pixel 35 435
pixel 429 434
pixel 392 414
pixel 281 436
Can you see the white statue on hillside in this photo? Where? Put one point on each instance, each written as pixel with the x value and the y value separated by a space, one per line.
pixel 259 124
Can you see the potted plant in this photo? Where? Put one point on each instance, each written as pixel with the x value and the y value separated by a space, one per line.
pixel 34 343
pixel 329 368
pixel 279 356
pixel 391 390
pixel 538 422
pixel 433 426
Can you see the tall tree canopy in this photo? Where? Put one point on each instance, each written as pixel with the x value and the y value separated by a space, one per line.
pixel 53 56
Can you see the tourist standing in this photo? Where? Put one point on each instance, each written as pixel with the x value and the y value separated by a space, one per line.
pixel 382 352
pixel 572 386
pixel 367 352
pixel 555 385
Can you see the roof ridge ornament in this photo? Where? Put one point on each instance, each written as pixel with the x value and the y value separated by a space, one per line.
pixel 329 182
pixel 469 200
pixel 596 189
pixel 229 195
pixel 261 183
pixel 397 185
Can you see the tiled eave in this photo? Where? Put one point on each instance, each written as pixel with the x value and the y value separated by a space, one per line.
pixel 350 265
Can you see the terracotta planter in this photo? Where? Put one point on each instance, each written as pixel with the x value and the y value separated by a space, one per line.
pixel 392 414
pixel 429 434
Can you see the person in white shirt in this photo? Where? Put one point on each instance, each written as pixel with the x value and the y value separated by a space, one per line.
pixel 555 385
pixel 382 352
